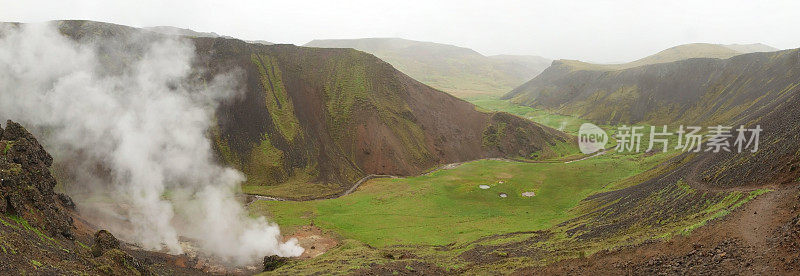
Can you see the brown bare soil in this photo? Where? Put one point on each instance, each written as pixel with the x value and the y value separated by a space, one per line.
pixel 760 238
pixel 313 240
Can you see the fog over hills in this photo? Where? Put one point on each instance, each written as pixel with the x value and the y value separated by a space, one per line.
pixel 457 70
pixel 680 52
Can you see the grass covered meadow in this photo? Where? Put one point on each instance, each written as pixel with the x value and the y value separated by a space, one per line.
pixel 449 206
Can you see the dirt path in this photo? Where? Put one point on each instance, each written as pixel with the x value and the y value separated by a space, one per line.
pixel 760 238
pixel 588 157
pixel 755 222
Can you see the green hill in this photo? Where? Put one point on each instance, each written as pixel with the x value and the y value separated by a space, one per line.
pixel 700 90
pixel 312 121
pixel 459 71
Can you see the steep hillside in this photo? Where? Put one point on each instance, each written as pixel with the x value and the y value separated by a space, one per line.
pixel 317 120
pixel 762 238
pixel 459 71
pixel 707 91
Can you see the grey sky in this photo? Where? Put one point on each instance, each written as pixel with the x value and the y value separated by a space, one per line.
pixel 602 31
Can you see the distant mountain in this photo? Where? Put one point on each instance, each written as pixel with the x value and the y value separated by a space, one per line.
pixel 752 48
pixel 681 52
pixel 169 30
pixel 459 71
pixel 260 42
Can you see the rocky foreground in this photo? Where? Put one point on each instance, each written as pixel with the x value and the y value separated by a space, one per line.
pixel 41 234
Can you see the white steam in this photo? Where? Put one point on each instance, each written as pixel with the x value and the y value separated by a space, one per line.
pixel 137 131
pixel 562 126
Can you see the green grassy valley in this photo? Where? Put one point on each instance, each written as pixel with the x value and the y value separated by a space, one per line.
pixel 565 123
pixel 446 217
pixel 450 206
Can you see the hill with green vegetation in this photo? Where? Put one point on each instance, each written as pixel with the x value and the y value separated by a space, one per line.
pixel 700 90
pixel 312 121
pixel 459 71
pixel 500 216
pixel 475 218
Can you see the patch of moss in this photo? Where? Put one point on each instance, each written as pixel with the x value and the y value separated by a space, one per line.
pixel 7 247
pixel 265 166
pixel 492 135
pixel 24 223
pixel 278 102
pixel 83 245
pixel 349 88
pixel 7 146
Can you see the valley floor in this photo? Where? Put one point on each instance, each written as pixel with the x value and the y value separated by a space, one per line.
pixel 445 222
pixel 503 217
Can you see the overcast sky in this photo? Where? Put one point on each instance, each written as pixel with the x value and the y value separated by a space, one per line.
pixel 600 31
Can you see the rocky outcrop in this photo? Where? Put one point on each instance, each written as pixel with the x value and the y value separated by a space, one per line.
pixel 37 233
pixel 274 262
pixel 111 260
pixel 27 185
pixel 103 241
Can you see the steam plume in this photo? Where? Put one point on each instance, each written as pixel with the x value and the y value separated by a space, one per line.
pixel 130 118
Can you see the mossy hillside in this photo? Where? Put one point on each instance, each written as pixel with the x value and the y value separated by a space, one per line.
pixel 266 165
pixel 352 88
pixel 278 102
pixel 332 116
pixel 353 85
pixel 263 166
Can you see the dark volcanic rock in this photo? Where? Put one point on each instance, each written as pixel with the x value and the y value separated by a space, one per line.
pixel 27 185
pixel 274 262
pixel 104 241
pixel 125 264
pixel 66 201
